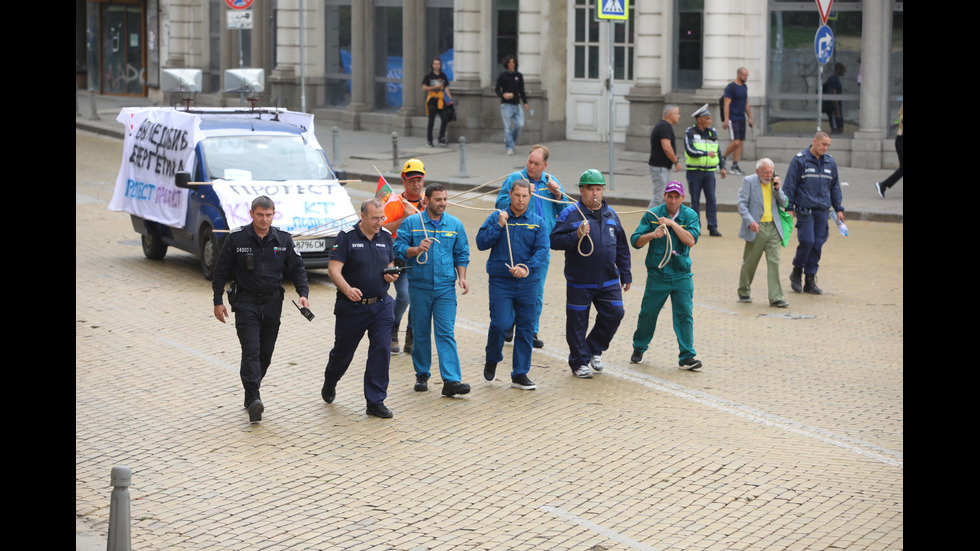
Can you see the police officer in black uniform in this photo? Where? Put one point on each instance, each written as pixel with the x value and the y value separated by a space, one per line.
pixel 255 258
pixel 359 257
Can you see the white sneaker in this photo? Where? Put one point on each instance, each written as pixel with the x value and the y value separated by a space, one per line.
pixel 510 152
pixel 596 363
pixel 583 372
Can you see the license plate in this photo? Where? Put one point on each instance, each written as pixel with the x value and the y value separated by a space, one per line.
pixel 311 245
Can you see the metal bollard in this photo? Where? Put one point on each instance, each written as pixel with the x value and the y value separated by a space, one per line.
pixel 119 519
pixel 336 145
pixel 394 151
pixel 95 110
pixel 462 157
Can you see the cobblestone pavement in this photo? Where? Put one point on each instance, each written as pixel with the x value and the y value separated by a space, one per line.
pixel 790 437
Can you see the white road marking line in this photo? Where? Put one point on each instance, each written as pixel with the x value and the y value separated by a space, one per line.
pixel 199 354
pixel 616 536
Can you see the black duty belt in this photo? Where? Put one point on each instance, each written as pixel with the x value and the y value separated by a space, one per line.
pixel 258 299
pixel 371 300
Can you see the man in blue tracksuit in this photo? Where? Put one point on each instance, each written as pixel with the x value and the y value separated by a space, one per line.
pixel 597 270
pixel 544 185
pixel 812 187
pixel 518 247
pixel 434 244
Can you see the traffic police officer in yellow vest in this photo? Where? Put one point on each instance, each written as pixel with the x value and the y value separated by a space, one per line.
pixel 702 160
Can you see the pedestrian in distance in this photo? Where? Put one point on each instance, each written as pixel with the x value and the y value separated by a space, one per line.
pixel 435 84
pixel 663 152
pixel 736 114
pixel 510 90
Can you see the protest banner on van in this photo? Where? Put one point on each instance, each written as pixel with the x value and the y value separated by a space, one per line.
pixel 159 143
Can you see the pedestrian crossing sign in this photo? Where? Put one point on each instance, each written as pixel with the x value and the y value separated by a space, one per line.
pixel 614 9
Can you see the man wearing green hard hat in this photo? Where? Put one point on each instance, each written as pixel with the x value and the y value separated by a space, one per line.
pixel 597 271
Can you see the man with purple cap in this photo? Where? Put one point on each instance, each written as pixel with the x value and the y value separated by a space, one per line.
pixel 671 229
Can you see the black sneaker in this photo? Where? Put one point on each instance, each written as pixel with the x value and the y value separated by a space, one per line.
pixel 745 299
pixel 636 357
pixel 489 371
pixel 421 383
pixel 714 232
pixel 522 382
pixel 454 388
pixel 379 410
pixel 735 170
pixel 328 393
pixel 690 363
pixel 536 342
pixel 509 335
pixel 779 304
pixel 880 190
pixel 255 410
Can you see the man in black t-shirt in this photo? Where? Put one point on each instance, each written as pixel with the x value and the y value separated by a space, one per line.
pixel 663 153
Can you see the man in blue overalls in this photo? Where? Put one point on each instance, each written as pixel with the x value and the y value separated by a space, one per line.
pixel 597 269
pixel 543 185
pixel 518 247
pixel 434 244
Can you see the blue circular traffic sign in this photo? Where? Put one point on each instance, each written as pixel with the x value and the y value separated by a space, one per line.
pixel 823 44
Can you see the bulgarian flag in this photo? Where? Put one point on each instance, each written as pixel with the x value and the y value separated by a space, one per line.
pixel 384 192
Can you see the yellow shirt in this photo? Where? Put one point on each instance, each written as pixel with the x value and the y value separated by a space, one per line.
pixel 766 203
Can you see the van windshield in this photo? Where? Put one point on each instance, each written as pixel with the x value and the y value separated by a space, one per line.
pixel 275 158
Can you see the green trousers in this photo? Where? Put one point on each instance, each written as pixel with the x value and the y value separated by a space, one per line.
pixel 680 289
pixel 766 241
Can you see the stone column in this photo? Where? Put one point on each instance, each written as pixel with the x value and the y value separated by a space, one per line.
pixel 362 59
pixel 651 72
pixel 414 64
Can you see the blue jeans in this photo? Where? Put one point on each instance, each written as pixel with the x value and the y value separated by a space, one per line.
pixel 513 117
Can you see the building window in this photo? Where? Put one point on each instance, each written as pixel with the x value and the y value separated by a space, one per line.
pixel 586 40
pixel 338 52
pixel 504 32
pixel 794 76
pixel 690 45
pixel 387 55
pixel 439 35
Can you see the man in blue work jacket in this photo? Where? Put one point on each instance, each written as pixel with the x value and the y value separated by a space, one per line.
pixel 812 187
pixel 597 271
pixel 518 247
pixel 357 262
pixel 434 244
pixel 542 185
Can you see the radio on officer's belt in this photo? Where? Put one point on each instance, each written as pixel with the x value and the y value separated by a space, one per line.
pixel 305 311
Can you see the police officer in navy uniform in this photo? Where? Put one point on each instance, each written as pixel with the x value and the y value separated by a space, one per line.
pixel 359 257
pixel 255 258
